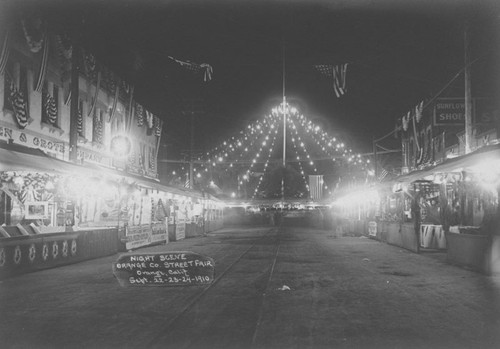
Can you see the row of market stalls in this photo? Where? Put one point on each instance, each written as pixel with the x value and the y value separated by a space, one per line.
pixel 79 157
pixel 54 212
pixel 452 207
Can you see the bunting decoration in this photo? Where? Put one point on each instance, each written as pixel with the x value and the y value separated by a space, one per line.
pixel 42 70
pixel 338 75
pixel 157 126
pixel 205 68
pixel 405 121
pixel 79 121
pixel 96 94
pixel 115 103
pixel 130 109
pixel 97 130
pixel 142 157
pixel 418 111
pixel 49 108
pixel 68 98
pixel 152 158
pixel 139 114
pixel 90 66
pixel 19 106
pixel 149 119
pixel 64 52
pixel 4 54
pixel 33 33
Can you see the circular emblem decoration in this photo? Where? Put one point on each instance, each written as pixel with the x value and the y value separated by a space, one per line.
pixel 65 248
pixel 32 253
pixel 45 252
pixel 55 250
pixel 2 257
pixel 17 255
pixel 73 247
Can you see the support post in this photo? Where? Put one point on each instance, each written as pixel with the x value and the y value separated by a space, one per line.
pixel 75 92
pixel 468 93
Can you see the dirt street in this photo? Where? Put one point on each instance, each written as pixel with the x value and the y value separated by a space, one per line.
pixel 289 287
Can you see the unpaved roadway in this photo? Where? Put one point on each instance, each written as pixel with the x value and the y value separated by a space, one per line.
pixel 289 287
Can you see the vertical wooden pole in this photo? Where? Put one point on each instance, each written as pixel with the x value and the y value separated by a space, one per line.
pixel 73 125
pixel 191 154
pixel 468 93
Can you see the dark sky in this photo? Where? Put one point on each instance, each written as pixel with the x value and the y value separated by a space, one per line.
pixel 399 53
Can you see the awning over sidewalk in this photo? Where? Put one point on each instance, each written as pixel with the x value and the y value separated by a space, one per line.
pixel 14 157
pixel 480 156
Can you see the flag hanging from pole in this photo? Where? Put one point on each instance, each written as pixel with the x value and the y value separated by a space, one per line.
pixel 338 75
pixel 205 68
pixel 316 186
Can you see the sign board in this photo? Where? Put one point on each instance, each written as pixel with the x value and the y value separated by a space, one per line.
pixel 372 228
pixel 180 229
pixel 449 111
pixel 137 236
pixel 164 269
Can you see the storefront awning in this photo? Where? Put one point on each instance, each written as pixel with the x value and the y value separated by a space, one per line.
pixel 480 156
pixel 14 157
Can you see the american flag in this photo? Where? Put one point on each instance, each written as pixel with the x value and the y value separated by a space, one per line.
pixel 316 186
pixel 338 75
pixel 196 68
pixel 382 174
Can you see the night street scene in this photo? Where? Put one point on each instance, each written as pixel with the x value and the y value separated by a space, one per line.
pixel 238 174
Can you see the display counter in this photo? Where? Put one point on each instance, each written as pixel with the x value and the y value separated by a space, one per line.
pixel 469 249
pixel 27 253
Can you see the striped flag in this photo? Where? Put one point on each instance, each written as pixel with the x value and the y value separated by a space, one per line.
pixel 338 75
pixel 382 174
pixel 205 68
pixel 316 186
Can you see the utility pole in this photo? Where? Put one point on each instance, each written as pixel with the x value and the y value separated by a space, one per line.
pixel 468 93
pixel 285 111
pixel 191 154
pixel 192 107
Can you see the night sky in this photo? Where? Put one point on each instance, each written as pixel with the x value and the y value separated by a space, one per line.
pixel 399 53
